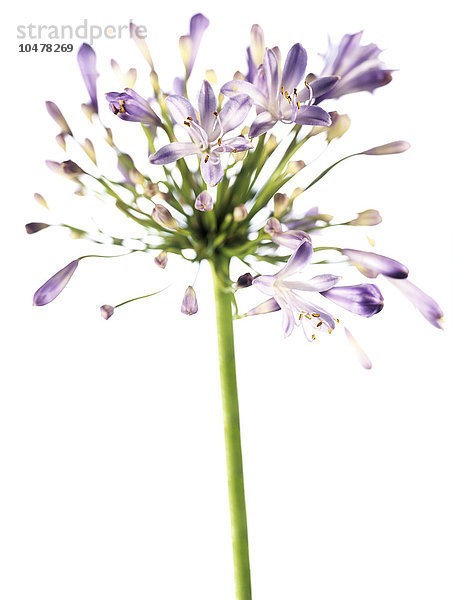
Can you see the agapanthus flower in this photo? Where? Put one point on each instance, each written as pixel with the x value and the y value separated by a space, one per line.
pixel 130 106
pixel 189 305
pixel 189 44
pixel 207 131
pixel 290 238
pixel 87 63
pixel 372 264
pixel 53 287
pixel 358 66
pixel 275 94
pixel 427 306
pixel 204 202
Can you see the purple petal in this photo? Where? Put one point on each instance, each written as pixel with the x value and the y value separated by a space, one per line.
pixel 204 202
pixel 312 115
pixel 322 85
pixel 390 148
pixel 294 69
pixel 189 305
pixel 211 169
pixel 364 299
pixel 428 307
pixel 292 238
pixel 376 264
pixel 234 112
pixel 53 287
pixel 298 260
pixel 197 27
pixel 263 122
pixel 235 87
pixel 270 305
pixel 172 152
pixel 319 283
pixel 180 108
pixel 207 107
pixel 364 360
pixel 87 64
pixel 265 284
pixel 270 66
pixel 106 311
pixel 236 144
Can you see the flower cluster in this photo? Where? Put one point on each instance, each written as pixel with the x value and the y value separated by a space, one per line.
pixel 213 182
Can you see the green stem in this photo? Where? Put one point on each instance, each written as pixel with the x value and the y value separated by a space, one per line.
pixel 223 301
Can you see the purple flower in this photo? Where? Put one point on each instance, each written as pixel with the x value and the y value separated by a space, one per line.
pixel 390 148
pixel 364 299
pixel 53 287
pixel 206 131
pixel 55 113
pixel 189 305
pixel 35 227
pixel 291 238
pixel 204 202
pixel 371 264
pixel 163 217
pixel 255 53
pixel 106 311
pixel 130 106
pixel 87 64
pixel 428 307
pixel 189 44
pixel 161 259
pixel 358 67
pixel 284 294
pixel 277 99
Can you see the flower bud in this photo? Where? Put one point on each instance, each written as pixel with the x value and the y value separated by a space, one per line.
pixel 58 117
pixel 35 227
pixel 60 139
pixel 244 281
pixel 150 189
pixel 240 213
pixel 39 198
pixel 163 217
pixel 368 217
pixel 189 305
pixel 211 77
pixel 53 287
pixel 272 226
pixel 204 202
pixel 391 148
pixel 295 166
pixel 281 203
pixel 106 311
pixel 136 177
pixel 339 125
pixel 88 147
pixel 161 259
pixel 371 264
pixel 68 168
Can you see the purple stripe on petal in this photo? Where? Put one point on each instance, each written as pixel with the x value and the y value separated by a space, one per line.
pixel 376 263
pixel 294 69
pixel 364 299
pixel 268 306
pixel 234 112
pixel 298 260
pixel 87 64
pixel 312 115
pixel 211 169
pixel 180 108
pixel 261 124
pixel 235 87
pixel 189 305
pixel 171 152
pixel 207 107
pixel 53 287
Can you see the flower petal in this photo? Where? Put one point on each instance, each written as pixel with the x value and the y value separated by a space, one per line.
pixel 376 263
pixel 319 283
pixel 265 284
pixel 207 107
pixel 87 64
pixel 180 108
pixel 312 115
pixel 53 287
pixel 171 152
pixel 234 112
pixel 364 299
pixel 428 307
pixel 211 169
pixel 294 69
pixel 270 66
pixel 263 122
pixel 270 305
pixel 364 360
pixel 235 87
pixel 297 261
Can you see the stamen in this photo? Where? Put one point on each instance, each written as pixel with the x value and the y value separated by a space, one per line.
pixel 282 90
pixel 121 106
pixel 295 91
pixel 189 118
pixel 313 336
pixel 206 158
pixel 215 114
pixel 298 105
pixel 114 109
pixel 186 123
pixel 319 324
pixel 315 314
pixel 219 141
pixel 337 320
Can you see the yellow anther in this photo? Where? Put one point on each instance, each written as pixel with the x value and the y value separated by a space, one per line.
pixel 308 317
pixel 186 123
pixel 337 320
pixel 315 314
pixel 121 106
pixel 282 90
pixel 313 336
pixel 234 151
pixel 206 158
pixel 300 316
pixel 114 109
pixel 298 104
pixel 215 114
pixel 219 141
pixel 295 91
pixel 329 330
pixel 319 324
pixel 189 118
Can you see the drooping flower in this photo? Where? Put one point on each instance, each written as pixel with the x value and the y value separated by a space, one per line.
pixel 55 112
pixel 207 131
pixel 390 148
pixel 53 287
pixel 106 311
pixel 367 218
pixel 163 217
pixel 189 44
pixel 189 305
pixel 130 106
pixel 276 96
pixel 428 307
pixel 87 63
pixel 359 67
pixel 35 227
pixel 371 264
pixel 364 299
pixel 204 202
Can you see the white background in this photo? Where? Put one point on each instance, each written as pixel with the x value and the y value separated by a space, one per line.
pixel 112 456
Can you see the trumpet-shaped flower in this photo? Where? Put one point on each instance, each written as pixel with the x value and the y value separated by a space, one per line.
pixel 207 131
pixel 87 64
pixel 130 106
pixel 276 96
pixel 358 67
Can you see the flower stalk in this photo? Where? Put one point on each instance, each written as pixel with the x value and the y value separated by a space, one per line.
pixel 234 463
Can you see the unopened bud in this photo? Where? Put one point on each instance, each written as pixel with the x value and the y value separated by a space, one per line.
pixel 204 202
pixel 88 111
pixel 39 198
pixel 211 77
pixel 68 168
pixel 240 213
pixel 136 177
pixel 88 147
pixel 35 227
pixel 271 144
pixel 60 139
pixel 391 148
pixel 161 259
pixel 272 226
pixel 163 217
pixel 244 281
pixel 367 218
pixel 106 311
pixel 150 189
pixel 58 117
pixel 295 166
pixel 339 125
pixel 189 305
pixel 281 203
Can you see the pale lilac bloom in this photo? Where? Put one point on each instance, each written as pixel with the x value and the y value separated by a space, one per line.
pixel 106 311
pixel 428 307
pixel 359 67
pixel 189 305
pixel 283 293
pixel 371 264
pixel 276 96
pixel 87 64
pixel 189 44
pixel 130 106
pixel 53 287
pixel 204 202
pixel 207 131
